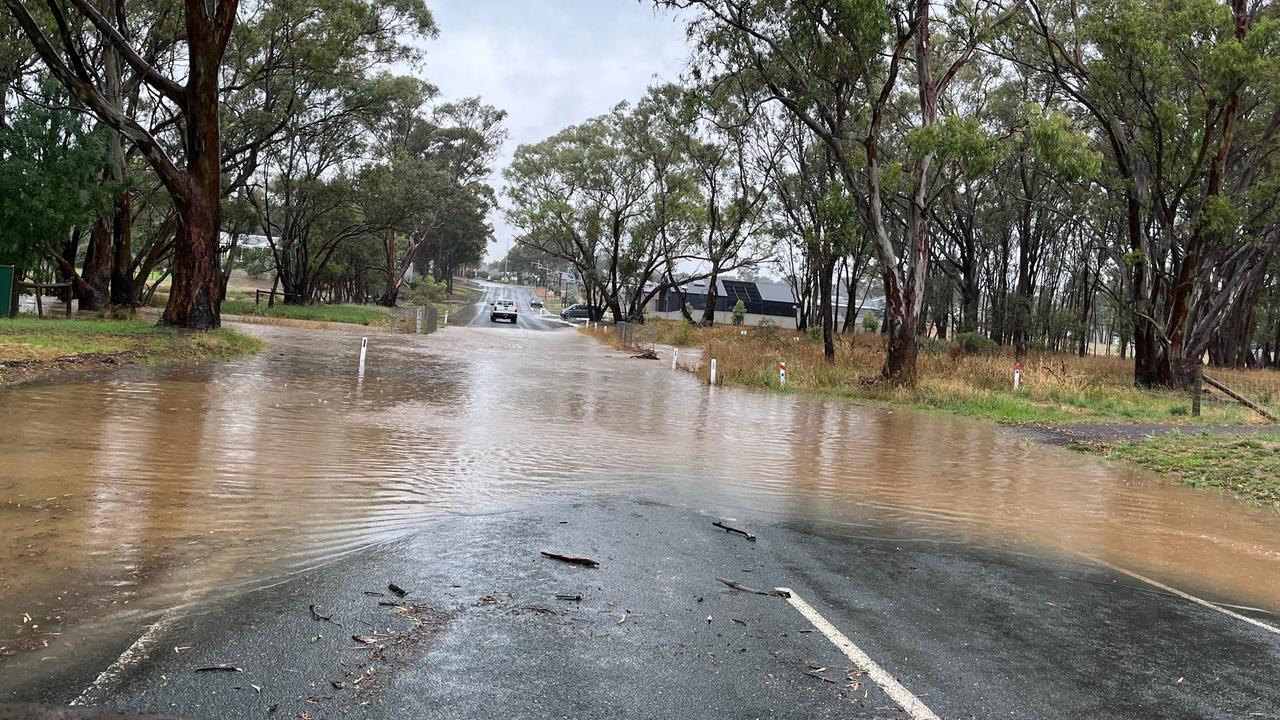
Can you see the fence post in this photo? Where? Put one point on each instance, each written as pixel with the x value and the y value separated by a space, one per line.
pixel 364 347
pixel 1197 389
pixel 713 371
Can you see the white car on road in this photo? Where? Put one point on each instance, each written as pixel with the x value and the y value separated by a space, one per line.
pixel 503 309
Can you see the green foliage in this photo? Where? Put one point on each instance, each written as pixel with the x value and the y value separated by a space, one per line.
pixel 870 323
pixel 814 332
pixel 975 343
pixel 426 292
pixel 257 262
pixel 739 312
pixel 51 180
pixel 932 345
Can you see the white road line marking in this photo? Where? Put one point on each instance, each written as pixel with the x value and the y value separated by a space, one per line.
pixel 134 654
pixel 1186 596
pixel 894 689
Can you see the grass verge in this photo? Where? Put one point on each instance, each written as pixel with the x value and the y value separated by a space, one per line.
pixel 1056 388
pixel 349 314
pixel 1248 467
pixel 31 347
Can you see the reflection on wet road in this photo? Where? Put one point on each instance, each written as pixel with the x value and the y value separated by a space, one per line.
pixel 131 492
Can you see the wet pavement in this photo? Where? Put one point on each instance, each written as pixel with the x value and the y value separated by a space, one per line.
pixel 160 518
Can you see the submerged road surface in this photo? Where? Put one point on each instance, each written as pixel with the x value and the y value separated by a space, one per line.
pixel 221 541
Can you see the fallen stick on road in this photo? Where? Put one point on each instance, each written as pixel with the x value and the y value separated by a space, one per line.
pixel 572 598
pixel 743 588
pixel 315 615
pixel 399 591
pixel 727 528
pixel 219 668
pixel 572 559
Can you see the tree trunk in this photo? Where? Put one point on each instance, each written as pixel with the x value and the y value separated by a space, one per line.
pixel 95 294
pixel 827 312
pixel 195 297
pixel 709 312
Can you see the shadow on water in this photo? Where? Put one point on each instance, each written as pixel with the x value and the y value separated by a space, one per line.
pixel 129 493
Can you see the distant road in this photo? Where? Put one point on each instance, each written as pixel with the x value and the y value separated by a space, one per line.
pixel 530 318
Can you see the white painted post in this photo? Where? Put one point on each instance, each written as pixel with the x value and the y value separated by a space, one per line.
pixel 1017 376
pixel 713 371
pixel 418 321
pixel 364 347
pixel 675 354
pixel 446 319
pixel 782 373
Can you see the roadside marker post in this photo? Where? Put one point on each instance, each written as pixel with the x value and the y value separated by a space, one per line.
pixel 675 354
pixel 782 373
pixel 446 319
pixel 1017 376
pixel 364 348
pixel 713 371
pixel 418 321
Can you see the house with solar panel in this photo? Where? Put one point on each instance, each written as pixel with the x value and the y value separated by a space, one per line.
pixel 766 303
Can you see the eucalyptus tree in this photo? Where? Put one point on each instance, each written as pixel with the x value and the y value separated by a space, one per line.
pixel 729 157
pixel 440 161
pixel 592 195
pixel 836 66
pixel 1184 97
pixel 194 182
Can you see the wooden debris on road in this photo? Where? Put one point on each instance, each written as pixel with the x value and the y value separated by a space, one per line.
pixel 572 559
pixel 743 588
pixel 399 591
pixel 730 529
pixel 315 615
pixel 572 598
pixel 225 667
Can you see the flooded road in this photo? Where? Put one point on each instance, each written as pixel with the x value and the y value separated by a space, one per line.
pixel 126 494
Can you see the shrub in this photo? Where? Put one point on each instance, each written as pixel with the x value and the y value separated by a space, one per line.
pixel 975 343
pixel 739 312
pixel 425 291
pixel 932 345
pixel 257 261
pixel 870 323
pixel 815 333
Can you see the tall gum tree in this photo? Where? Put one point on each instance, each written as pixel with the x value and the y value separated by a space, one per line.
pixel 839 67
pixel 195 188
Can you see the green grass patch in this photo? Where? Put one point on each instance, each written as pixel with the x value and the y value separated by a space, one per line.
pixel 349 314
pixel 34 340
pixel 1248 467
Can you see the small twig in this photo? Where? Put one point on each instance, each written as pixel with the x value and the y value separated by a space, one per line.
pixel 572 559
pixel 571 598
pixel 728 528
pixel 225 667
pixel 814 673
pixel 315 615
pixel 399 591
pixel 743 588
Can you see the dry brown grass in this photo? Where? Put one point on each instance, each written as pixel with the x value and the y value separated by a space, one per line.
pixel 1055 387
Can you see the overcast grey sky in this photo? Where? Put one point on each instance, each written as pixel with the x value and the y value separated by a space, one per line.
pixel 550 63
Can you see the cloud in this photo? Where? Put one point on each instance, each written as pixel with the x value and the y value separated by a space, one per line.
pixel 550 63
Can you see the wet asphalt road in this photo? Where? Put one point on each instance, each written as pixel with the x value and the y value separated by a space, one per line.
pixel 971 632
pixel 529 317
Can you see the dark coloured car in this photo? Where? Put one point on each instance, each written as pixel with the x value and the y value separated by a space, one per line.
pixel 581 312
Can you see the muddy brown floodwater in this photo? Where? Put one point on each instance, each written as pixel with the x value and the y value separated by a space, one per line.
pixel 126 494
